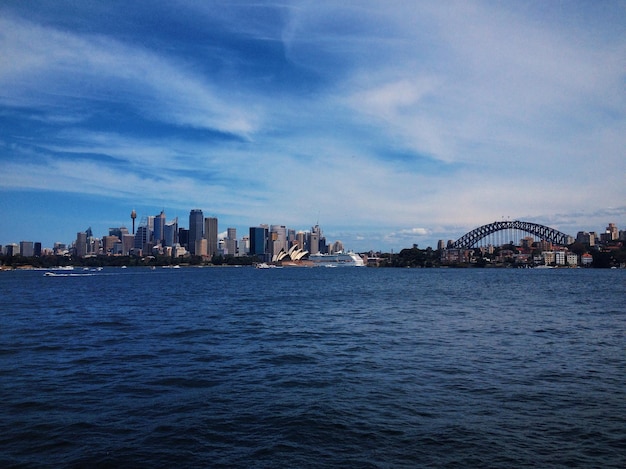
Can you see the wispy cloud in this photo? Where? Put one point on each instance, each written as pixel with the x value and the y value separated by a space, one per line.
pixel 48 67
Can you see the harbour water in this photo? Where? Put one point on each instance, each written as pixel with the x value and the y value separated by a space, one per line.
pixel 240 367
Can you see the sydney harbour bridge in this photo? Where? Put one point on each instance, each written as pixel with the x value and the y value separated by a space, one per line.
pixel 504 232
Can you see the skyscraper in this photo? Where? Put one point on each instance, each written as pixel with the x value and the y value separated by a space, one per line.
pixel 196 219
pixel 278 234
pixel 170 233
pixel 258 241
pixel 27 248
pixel 210 233
pixel 231 241
pixel 314 240
pixel 81 244
pixel 142 237
pixel 159 228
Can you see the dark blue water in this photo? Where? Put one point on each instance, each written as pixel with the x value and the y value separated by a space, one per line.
pixel 237 367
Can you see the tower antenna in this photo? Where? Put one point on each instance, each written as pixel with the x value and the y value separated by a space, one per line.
pixel 133 215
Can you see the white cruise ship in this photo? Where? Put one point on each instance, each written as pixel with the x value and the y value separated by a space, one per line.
pixel 338 259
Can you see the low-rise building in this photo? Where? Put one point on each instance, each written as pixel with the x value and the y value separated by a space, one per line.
pixel 586 259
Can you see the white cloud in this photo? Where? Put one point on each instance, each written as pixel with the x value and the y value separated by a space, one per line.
pixel 47 66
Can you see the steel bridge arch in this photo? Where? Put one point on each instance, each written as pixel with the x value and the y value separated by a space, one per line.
pixel 469 240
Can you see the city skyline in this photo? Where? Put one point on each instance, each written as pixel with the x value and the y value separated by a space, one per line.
pixel 389 126
pixel 158 231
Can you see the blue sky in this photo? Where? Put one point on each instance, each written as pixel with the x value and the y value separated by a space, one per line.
pixel 391 123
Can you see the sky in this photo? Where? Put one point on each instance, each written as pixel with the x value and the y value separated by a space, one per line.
pixel 388 123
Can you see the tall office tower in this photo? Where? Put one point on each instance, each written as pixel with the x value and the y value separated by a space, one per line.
pixel 128 243
pixel 244 246
pixel 159 228
pixel 231 241
pixel 323 246
pixel 183 237
pixel 170 233
pixel 278 235
pixel 81 244
pixel 314 240
pixel 291 237
pixel 142 237
pixel 301 240
pixel 210 233
pixel 201 247
pixel 196 220
pixel 119 232
pixel 337 246
pixel 27 248
pixel 612 231
pixel 258 241
pixel 38 249
pixel 108 243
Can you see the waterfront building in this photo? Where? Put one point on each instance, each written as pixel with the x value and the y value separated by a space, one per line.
pixel 38 249
pixel 549 257
pixel 455 256
pixel 559 257
pixel 586 260
pixel 210 233
pixel 196 221
pixel 572 258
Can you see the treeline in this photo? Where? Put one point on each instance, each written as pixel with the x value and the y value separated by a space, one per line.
pixel 411 257
pixel 49 262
